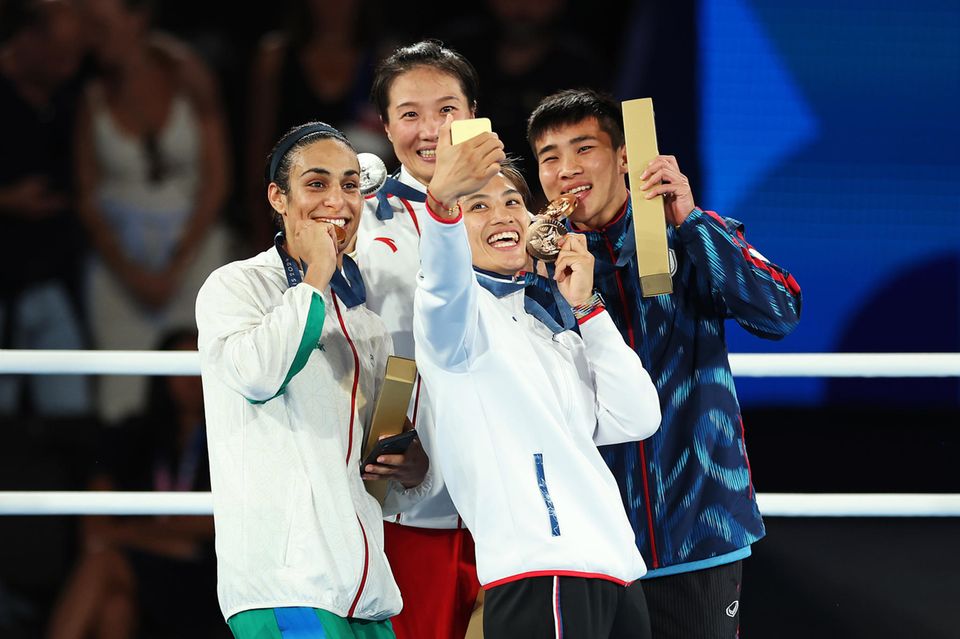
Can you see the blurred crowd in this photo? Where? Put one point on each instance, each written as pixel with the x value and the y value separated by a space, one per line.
pixel 134 135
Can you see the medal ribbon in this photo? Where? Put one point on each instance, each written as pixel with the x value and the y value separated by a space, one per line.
pixel 393 186
pixel 542 298
pixel 346 283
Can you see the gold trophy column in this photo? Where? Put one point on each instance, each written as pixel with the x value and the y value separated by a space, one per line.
pixel 649 223
pixel 390 412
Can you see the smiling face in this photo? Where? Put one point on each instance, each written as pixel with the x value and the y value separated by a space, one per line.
pixel 580 159
pixel 496 221
pixel 324 183
pixel 419 101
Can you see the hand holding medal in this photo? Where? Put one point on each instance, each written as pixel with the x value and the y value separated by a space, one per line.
pixel 547 228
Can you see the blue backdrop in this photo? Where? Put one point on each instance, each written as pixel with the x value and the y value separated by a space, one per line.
pixel 831 130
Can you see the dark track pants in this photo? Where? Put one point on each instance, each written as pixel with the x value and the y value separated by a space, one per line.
pixel 565 607
pixel 704 604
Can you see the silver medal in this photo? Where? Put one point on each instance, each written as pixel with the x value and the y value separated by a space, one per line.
pixel 373 173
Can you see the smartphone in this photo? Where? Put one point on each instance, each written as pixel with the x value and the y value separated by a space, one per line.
pixel 393 445
pixel 463 130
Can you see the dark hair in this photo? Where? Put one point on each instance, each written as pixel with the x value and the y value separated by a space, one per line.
pixel 277 167
pixel 572 106
pixel 426 53
pixel 510 169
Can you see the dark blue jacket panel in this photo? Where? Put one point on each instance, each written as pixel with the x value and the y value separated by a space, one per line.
pixel 687 489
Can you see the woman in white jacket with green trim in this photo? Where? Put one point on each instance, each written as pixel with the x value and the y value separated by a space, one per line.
pixel 292 361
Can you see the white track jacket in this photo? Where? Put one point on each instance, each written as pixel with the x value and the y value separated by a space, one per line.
pixel 519 413
pixel 290 376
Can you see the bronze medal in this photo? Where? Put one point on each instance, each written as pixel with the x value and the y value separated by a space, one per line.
pixel 548 227
pixel 340 233
pixel 562 207
pixel 542 238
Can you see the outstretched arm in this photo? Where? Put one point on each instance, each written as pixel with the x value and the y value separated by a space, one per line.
pixel 445 304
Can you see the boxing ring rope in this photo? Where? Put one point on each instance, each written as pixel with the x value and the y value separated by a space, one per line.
pixel 771 504
pixel 742 364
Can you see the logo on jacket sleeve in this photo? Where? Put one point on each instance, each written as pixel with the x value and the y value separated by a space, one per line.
pixel 388 241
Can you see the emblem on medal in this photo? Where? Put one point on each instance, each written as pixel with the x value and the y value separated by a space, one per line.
pixel 547 228
pixel 373 173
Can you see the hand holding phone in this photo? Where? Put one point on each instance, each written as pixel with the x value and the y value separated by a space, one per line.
pixel 468 155
pixel 408 461
pixel 392 445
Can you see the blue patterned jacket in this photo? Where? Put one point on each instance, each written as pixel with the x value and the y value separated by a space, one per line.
pixel 687 489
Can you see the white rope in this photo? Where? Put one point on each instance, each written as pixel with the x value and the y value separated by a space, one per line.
pixel 105 503
pixel 846 364
pixel 100 362
pixel 859 505
pixel 771 504
pixel 742 364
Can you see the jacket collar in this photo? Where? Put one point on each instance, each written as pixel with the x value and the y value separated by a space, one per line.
pixel 542 298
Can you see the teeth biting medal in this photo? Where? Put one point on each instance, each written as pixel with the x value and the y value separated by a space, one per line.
pixel 548 227
pixel 337 230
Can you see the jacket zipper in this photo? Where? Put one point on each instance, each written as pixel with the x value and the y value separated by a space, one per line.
pixel 356 375
pixel 353 405
pixel 366 566
pixel 643 450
